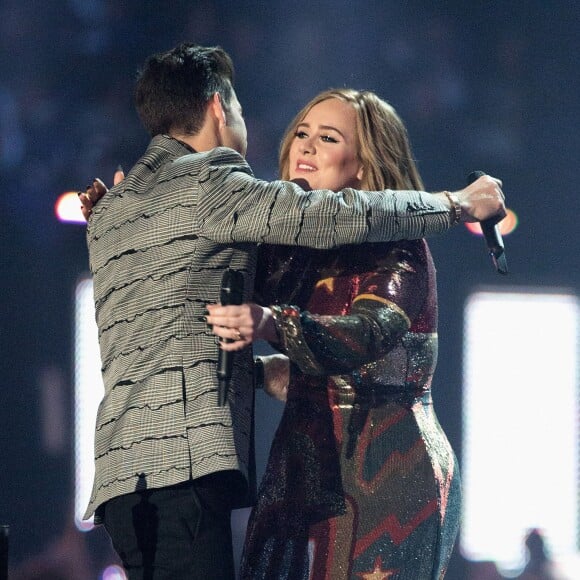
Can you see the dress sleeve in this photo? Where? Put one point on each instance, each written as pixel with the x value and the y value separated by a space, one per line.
pixel 383 310
pixel 234 206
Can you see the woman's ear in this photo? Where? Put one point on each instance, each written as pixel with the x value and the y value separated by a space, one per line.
pixel 360 173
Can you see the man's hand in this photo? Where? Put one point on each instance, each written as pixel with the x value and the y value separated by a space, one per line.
pixel 90 197
pixel 483 199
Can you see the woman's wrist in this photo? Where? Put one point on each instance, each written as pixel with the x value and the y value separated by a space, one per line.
pixel 266 329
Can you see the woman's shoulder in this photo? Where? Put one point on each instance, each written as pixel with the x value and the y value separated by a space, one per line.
pixel 411 245
pixel 369 253
pixel 385 256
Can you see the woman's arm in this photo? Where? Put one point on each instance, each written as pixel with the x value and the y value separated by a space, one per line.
pixel 383 310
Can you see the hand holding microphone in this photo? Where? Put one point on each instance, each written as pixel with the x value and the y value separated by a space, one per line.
pixel 492 235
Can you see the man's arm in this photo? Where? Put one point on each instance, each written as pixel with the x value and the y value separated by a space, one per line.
pixel 233 206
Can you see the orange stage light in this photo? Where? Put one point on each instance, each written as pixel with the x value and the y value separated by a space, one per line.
pixel 507 225
pixel 68 208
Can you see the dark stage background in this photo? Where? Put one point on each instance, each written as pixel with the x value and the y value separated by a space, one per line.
pixel 480 85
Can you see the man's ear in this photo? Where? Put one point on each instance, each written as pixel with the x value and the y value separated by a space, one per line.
pixel 217 110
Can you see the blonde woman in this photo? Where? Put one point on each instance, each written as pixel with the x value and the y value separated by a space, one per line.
pixel 361 478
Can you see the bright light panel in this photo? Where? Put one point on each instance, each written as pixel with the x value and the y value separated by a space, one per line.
pixel 89 391
pixel 520 428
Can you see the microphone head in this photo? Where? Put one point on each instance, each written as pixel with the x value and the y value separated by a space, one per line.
pixel 474 175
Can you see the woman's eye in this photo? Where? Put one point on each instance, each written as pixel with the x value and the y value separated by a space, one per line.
pixel 328 139
pixel 300 135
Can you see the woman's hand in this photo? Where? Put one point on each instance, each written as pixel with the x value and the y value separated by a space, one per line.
pixel 90 197
pixel 276 375
pixel 241 325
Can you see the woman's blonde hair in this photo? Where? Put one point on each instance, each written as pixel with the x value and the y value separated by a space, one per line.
pixel 383 143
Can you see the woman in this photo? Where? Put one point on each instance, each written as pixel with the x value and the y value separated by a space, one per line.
pixel 361 480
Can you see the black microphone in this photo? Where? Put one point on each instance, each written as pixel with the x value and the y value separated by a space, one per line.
pixel 231 292
pixel 492 235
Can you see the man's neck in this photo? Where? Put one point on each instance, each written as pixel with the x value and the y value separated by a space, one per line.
pixel 206 139
pixel 184 143
pixel 199 142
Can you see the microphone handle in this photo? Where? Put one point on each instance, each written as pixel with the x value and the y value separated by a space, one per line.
pixel 232 292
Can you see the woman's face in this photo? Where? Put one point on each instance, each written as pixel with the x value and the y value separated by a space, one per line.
pixel 324 149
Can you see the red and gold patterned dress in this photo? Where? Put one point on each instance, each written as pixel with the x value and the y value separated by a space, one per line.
pixel 361 481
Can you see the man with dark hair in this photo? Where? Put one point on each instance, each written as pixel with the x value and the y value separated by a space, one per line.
pixel 175 88
pixel 171 462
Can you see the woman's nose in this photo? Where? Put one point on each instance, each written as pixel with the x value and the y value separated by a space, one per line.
pixel 307 145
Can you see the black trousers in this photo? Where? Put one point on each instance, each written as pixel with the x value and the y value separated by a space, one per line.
pixel 182 532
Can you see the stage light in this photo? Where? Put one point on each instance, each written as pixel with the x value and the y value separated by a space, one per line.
pixel 506 226
pixel 89 390
pixel 68 208
pixel 113 572
pixel 520 426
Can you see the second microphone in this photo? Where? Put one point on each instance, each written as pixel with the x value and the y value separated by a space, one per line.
pixel 231 292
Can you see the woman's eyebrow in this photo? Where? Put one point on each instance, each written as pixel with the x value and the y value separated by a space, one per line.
pixel 323 127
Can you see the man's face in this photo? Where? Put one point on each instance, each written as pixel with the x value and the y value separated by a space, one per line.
pixel 234 134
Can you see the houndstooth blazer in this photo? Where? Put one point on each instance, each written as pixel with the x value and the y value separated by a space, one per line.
pixel 159 243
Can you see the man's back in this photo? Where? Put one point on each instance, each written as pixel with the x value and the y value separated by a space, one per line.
pixel 159 423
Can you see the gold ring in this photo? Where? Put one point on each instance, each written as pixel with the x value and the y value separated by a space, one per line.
pixel 238 334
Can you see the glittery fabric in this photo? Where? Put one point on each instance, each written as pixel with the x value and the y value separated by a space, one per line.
pixel 361 481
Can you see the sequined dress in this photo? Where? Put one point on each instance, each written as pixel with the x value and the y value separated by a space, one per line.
pixel 361 481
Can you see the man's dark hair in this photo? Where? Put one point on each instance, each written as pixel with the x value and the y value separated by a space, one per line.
pixel 174 87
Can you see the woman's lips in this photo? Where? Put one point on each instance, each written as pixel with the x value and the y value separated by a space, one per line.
pixel 304 166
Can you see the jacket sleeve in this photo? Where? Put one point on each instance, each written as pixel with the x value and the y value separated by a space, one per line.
pixel 234 206
pixel 383 310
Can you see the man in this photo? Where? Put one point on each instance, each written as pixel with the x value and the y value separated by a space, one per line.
pixel 170 462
